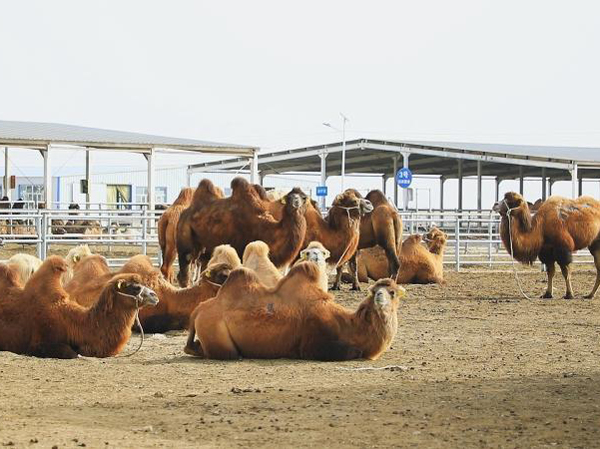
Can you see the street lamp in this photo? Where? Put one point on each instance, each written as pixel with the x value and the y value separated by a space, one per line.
pixel 343 131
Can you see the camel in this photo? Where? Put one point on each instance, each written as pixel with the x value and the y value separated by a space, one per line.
pixel 74 256
pixel 167 231
pixel 256 258
pixel 383 227
pixel 25 265
pixel 90 276
pixel 40 319
pixel 316 253
pixel 225 254
pixel 238 220
pixel 420 265
pixel 175 305
pixel 560 227
pixel 294 320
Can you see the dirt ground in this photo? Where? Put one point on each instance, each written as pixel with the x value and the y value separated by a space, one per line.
pixel 472 365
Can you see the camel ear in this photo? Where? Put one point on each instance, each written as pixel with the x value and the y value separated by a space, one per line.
pixel 207 273
pixel 283 200
pixel 120 283
pixel 76 258
pixel 303 254
pixel 326 253
pixel 401 291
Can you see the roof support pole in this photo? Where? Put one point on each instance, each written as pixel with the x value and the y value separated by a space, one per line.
pixel 254 168
pixel 544 184
pixel 383 184
pixel 479 186
pixel 574 181
pixel 405 157
pixel 460 185
pixel 188 178
pixel 7 191
pixel 497 192
pixel 580 186
pixel 395 168
pixel 521 181
pixel 88 194
pixel 442 182
pixel 550 184
pixel 47 177
pixel 151 197
pixel 323 156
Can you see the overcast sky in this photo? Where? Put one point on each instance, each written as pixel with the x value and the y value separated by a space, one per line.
pixel 269 73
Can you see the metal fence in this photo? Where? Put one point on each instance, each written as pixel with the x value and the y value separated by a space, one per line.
pixel 473 237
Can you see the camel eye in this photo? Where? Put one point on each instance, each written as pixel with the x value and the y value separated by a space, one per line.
pixel 392 293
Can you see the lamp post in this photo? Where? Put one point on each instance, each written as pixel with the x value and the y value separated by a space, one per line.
pixel 343 131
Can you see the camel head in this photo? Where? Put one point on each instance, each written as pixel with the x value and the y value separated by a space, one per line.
pixel 365 203
pixel 296 199
pixel 353 206
pixel 436 239
pixel 217 273
pixel 315 252
pixel 130 288
pixel 512 200
pixel 385 295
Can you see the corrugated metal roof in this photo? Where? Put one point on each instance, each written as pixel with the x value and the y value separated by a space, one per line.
pixel 36 133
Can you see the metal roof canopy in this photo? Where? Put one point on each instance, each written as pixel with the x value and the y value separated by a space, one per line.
pixel 43 136
pixel 445 159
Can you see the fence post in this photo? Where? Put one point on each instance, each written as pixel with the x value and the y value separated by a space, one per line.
pixel 43 236
pixel 38 228
pixel 457 242
pixel 144 231
pixel 490 239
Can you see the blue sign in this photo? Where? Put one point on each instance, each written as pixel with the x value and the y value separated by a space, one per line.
pixel 322 191
pixel 404 177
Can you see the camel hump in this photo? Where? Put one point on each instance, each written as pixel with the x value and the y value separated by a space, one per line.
pixel 9 277
pixel 205 193
pixel 47 278
pixel 376 197
pixel 300 274
pixel 239 280
pixel 185 197
pixel 239 184
pixel 257 247
pixel 262 193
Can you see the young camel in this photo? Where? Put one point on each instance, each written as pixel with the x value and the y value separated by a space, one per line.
pixel 239 220
pixel 74 257
pixel 420 265
pixel 294 320
pixel 176 305
pixel 256 258
pixel 41 320
pixel 560 227
pixel 167 231
pixel 316 253
pixel 25 265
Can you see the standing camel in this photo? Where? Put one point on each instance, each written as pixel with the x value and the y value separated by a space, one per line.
pixel 239 220
pixel 560 227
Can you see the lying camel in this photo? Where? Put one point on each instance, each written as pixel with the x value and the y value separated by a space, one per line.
pixel 167 231
pixel 316 253
pixel 238 220
pixel 295 320
pixel 176 305
pixel 559 227
pixel 90 276
pixel 41 320
pixel 256 258
pixel 420 265
pixel 25 265
pixel 74 256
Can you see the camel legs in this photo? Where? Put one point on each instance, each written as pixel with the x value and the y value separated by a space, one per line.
pixel 551 270
pixel 56 351
pixel 167 266
pixel 215 340
pixel 353 265
pixel 596 253
pixel 566 272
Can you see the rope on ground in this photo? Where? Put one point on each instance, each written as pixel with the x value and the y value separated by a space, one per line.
pixel 373 368
pixel 512 256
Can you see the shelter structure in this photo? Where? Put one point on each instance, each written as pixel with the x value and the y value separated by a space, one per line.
pixel 48 137
pixel 446 159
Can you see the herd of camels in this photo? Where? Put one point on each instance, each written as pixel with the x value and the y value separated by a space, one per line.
pixel 253 276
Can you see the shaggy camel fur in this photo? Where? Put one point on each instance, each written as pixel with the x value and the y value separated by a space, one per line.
pixel 90 276
pixel 294 320
pixel 225 254
pixel 40 319
pixel 316 253
pixel 74 256
pixel 167 231
pixel 560 227
pixel 25 265
pixel 383 227
pixel 176 305
pixel 238 220
pixel 256 258
pixel 420 265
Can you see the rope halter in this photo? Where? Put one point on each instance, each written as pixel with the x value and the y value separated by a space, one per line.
pixel 138 303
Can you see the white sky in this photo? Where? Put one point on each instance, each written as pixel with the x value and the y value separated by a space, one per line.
pixel 269 73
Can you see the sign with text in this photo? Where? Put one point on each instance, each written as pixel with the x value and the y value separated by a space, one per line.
pixel 322 191
pixel 404 177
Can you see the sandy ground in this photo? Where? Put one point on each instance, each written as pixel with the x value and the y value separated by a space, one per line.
pixel 474 365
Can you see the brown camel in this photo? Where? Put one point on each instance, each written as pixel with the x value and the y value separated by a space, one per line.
pixel 41 320
pixel 176 305
pixel 420 265
pixel 90 276
pixel 238 220
pixel 383 227
pixel 294 320
pixel 167 231
pixel 560 227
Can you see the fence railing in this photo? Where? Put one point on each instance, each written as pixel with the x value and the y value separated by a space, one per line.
pixel 473 237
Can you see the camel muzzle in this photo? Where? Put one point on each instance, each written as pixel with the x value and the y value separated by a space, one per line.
pixel 148 297
pixel 366 206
